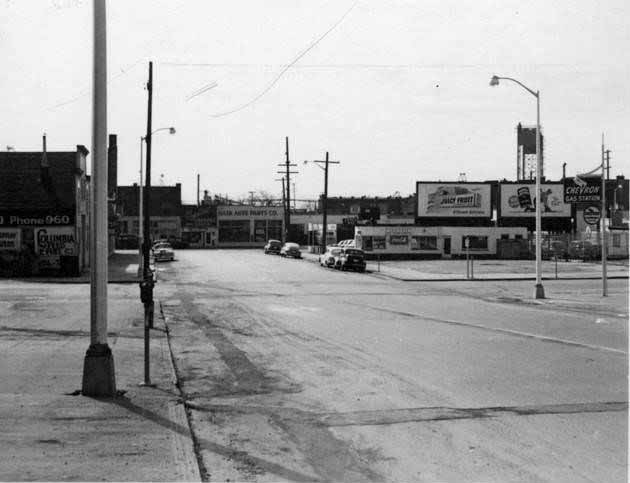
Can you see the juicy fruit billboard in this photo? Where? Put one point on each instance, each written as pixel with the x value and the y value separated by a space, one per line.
pixel 453 199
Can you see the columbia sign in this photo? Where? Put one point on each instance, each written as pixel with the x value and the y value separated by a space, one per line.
pixel 582 190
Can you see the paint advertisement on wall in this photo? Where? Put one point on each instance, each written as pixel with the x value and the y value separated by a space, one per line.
pixel 519 200
pixel 52 242
pixel 453 199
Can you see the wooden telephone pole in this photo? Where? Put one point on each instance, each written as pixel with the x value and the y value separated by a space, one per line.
pixel 287 208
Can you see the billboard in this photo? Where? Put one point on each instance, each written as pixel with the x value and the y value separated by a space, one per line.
pixel 519 200
pixel 583 190
pixel 52 242
pixel 454 200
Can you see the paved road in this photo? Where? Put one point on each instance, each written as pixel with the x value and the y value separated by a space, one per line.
pixel 299 373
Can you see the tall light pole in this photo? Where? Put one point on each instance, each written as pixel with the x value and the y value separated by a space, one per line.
pixel 326 162
pixel 98 366
pixel 539 291
pixel 171 130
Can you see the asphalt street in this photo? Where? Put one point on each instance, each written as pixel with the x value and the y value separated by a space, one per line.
pixel 293 372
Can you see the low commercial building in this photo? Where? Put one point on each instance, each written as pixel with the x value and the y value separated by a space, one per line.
pixel 165 211
pixel 405 241
pixel 248 226
pixel 44 212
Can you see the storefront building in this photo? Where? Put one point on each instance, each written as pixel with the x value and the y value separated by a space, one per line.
pixel 166 211
pixel 433 241
pixel 248 226
pixel 44 213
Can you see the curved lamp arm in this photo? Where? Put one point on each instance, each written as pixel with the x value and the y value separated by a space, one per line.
pixel 495 82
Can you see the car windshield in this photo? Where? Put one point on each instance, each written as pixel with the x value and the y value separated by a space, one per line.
pixel 335 251
pixel 274 243
pixel 162 246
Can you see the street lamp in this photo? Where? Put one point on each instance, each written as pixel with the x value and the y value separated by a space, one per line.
pixel 171 130
pixel 539 291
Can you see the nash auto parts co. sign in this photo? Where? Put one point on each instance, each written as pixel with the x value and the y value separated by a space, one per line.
pixel 582 190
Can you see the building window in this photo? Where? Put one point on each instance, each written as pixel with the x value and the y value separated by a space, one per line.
pixel 398 239
pixel 378 242
pixel 505 236
pixel 274 229
pixel 518 237
pixel 260 230
pixel 616 240
pixel 424 243
pixel 475 242
pixel 233 231
pixel 366 243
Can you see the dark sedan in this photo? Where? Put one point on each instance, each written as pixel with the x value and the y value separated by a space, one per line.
pixel 273 246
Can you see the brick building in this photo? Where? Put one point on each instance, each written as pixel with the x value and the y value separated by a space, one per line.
pixel 166 211
pixel 44 212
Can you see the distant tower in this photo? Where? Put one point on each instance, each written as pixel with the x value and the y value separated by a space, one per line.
pixel 462 177
pixel 526 153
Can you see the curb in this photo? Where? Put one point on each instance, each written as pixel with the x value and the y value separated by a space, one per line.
pixel 187 447
pixel 500 279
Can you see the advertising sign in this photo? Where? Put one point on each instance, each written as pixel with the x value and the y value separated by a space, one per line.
pixel 582 190
pixel 52 242
pixel 9 218
pixel 592 214
pixel 10 239
pixel 519 200
pixel 242 212
pixel 399 239
pixel 453 199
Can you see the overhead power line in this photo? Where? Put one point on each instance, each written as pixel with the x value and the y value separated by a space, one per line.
pixel 288 66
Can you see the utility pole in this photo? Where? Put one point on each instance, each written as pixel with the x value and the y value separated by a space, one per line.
pixel 198 190
pixel 604 249
pixel 98 367
pixel 607 163
pixel 564 171
pixel 283 195
pixel 287 212
pixel 326 162
pixel 251 197
pixel 146 286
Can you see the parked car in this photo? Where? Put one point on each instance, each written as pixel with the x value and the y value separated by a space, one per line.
pixel 350 259
pixel 158 242
pixel 163 252
pixel 327 259
pixel 290 249
pixel 273 246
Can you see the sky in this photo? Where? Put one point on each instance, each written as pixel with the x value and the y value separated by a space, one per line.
pixel 396 90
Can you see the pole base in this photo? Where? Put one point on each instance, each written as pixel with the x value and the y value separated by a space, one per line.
pixel 539 291
pixel 98 372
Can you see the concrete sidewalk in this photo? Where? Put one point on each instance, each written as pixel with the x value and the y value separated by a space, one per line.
pixel 48 430
pixel 487 269
pixel 122 268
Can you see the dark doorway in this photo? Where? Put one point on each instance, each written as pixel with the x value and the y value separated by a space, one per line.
pixel 447 245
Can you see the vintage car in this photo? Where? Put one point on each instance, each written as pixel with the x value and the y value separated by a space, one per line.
pixel 273 246
pixel 163 252
pixel 327 259
pixel 290 249
pixel 350 259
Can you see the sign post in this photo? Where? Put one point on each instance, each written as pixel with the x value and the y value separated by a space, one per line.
pixel 467 245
